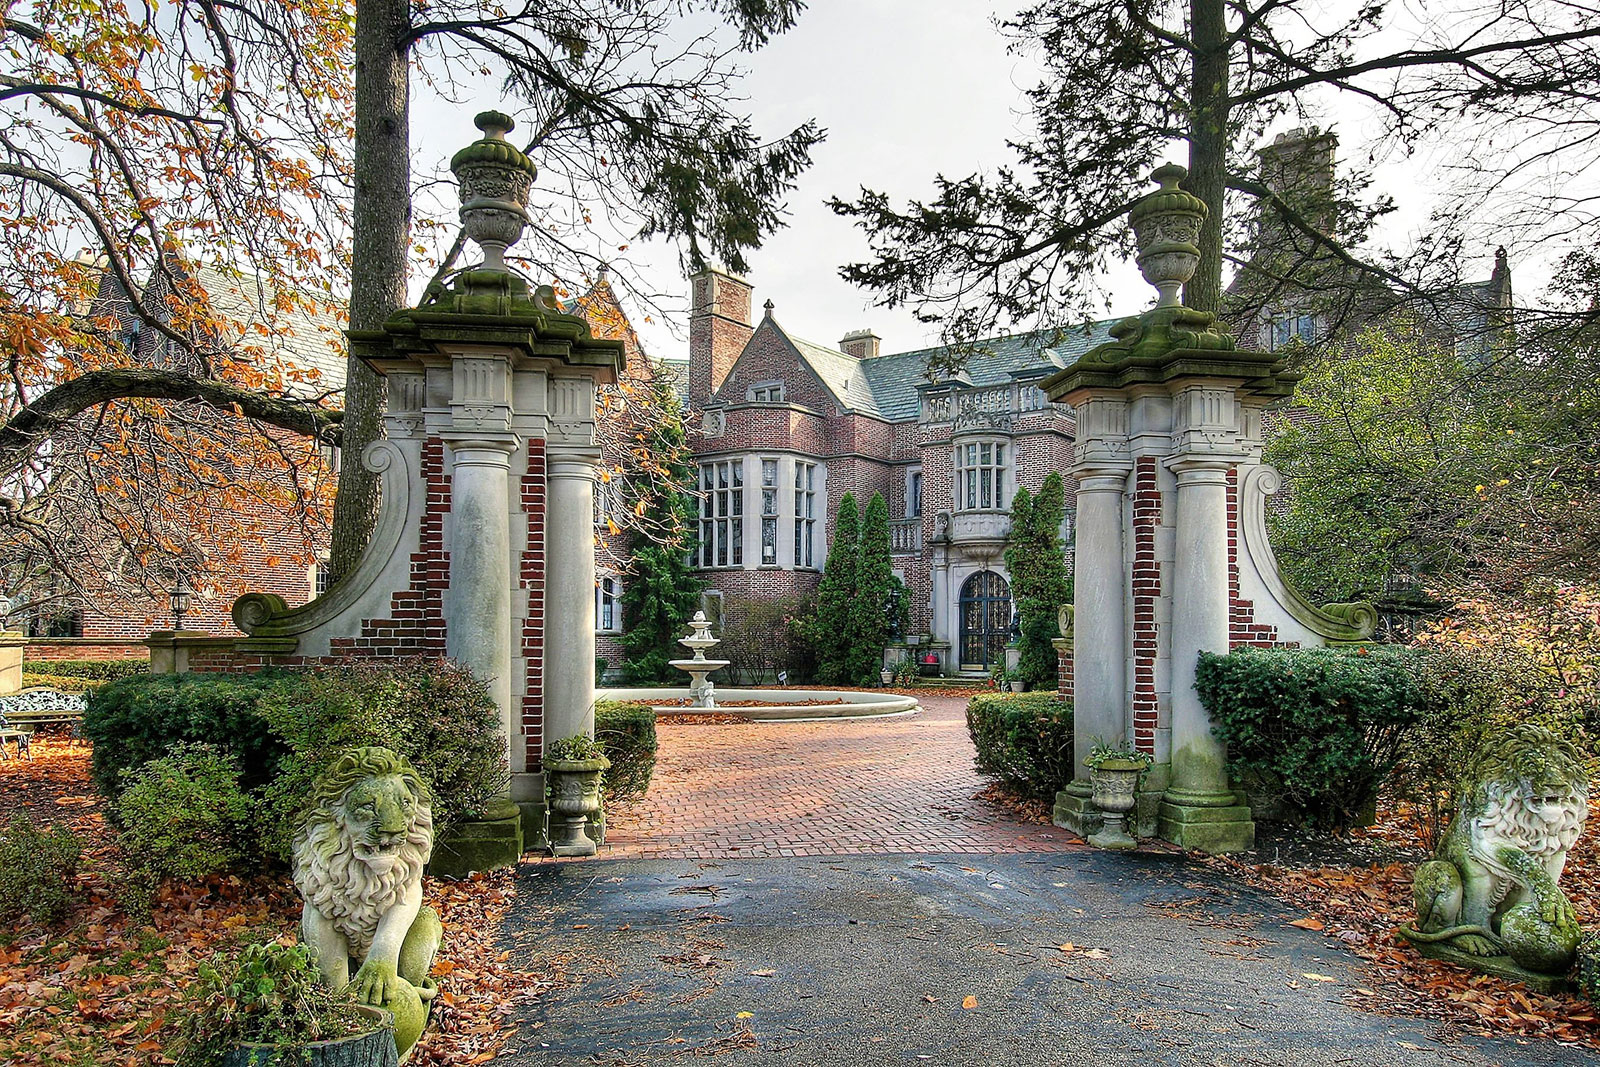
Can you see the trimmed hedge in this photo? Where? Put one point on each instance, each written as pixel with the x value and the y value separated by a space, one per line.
pixel 282 728
pixel 61 682
pixel 100 670
pixel 183 815
pixel 1320 729
pixel 1024 739
pixel 137 719
pixel 628 732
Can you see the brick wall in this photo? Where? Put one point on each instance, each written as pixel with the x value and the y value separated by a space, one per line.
pixel 1243 630
pixel 1064 673
pixel 1146 593
pixel 52 648
pixel 532 578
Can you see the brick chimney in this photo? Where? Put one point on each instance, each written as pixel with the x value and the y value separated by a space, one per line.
pixel 862 344
pixel 719 326
pixel 1298 166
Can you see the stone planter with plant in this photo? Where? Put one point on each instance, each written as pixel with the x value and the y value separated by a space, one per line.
pixel 572 770
pixel 267 1008
pixel 1114 772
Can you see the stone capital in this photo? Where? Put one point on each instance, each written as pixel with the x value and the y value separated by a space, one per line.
pixel 1202 469
pixel 577 463
pixel 1102 479
pixel 470 449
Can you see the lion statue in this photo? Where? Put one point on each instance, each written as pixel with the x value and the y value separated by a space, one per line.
pixel 1491 889
pixel 358 860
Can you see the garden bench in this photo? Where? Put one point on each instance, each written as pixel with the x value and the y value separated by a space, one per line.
pixel 22 738
pixel 26 711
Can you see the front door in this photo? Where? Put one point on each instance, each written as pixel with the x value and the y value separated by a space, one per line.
pixel 985 621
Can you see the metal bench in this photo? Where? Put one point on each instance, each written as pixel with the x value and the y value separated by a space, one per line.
pixel 23 713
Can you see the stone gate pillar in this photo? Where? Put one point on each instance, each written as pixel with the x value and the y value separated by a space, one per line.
pixel 1168 415
pixel 569 637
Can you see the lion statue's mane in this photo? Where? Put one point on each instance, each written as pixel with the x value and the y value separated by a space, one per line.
pixel 1497 804
pixel 327 871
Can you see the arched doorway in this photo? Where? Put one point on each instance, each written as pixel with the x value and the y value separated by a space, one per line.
pixel 985 621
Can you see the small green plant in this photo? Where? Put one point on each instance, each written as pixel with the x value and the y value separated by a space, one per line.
pixel 184 815
pixel 1589 967
pixel 627 732
pixel 36 871
pixel 999 676
pixel 576 748
pixel 1102 751
pixel 905 672
pixel 601 665
pixel 270 995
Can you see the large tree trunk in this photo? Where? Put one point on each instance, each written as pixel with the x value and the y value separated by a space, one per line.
pixel 382 223
pixel 1208 146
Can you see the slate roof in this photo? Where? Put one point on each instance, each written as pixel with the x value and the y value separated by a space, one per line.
pixel 297 337
pixel 886 386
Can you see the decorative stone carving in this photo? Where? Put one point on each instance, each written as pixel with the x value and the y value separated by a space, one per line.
pixel 1490 898
pixel 358 861
pixel 1165 226
pixel 495 180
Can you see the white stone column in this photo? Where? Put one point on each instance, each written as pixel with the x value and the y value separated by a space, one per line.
pixel 569 594
pixel 1100 696
pixel 1199 624
pixel 478 608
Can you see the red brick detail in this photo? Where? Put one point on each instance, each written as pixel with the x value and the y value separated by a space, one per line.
pixel 1064 674
pixel 1243 630
pixel 532 576
pixel 415 623
pixel 1146 594
pixel 82 648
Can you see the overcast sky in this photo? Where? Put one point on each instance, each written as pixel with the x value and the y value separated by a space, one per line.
pixel 906 89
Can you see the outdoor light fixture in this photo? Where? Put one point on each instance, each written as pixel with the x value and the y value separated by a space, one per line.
pixel 180 601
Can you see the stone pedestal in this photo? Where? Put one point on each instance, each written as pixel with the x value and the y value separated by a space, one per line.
pixel 11 648
pixel 496 840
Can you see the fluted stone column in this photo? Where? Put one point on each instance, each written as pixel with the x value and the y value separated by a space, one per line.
pixel 1199 809
pixel 569 576
pixel 478 611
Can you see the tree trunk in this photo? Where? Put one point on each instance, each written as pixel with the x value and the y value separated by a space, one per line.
pixel 1208 146
pixel 381 219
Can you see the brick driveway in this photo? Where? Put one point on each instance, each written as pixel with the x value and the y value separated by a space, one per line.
pixel 767 789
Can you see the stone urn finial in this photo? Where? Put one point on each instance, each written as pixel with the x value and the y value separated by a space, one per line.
pixel 495 180
pixel 1165 226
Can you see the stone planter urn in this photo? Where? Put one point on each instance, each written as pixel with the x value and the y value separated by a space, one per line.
pixel 1017 685
pixel 1113 786
pixel 886 676
pixel 574 787
pixel 373 1048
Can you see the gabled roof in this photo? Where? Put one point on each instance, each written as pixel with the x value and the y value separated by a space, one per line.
pixel 886 386
pixel 307 340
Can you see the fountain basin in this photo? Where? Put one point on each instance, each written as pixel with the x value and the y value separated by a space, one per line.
pixel 792 705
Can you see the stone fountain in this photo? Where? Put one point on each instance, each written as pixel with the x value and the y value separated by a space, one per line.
pixel 701 691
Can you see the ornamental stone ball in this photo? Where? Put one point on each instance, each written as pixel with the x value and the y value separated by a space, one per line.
pixel 1490 898
pixel 358 861
pixel 495 181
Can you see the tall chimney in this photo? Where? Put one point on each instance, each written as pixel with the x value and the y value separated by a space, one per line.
pixel 1298 166
pixel 862 344
pixel 719 326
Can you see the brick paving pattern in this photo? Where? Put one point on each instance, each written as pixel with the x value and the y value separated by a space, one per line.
pixel 756 790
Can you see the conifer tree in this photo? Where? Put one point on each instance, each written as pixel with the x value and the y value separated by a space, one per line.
pixel 1039 581
pixel 835 594
pixel 661 593
pixel 869 609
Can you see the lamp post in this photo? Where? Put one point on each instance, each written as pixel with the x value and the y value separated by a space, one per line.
pixel 180 601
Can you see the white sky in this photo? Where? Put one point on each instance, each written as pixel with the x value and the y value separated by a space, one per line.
pixel 906 89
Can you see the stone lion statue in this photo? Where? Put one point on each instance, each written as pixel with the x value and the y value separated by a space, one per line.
pixel 358 862
pixel 1492 888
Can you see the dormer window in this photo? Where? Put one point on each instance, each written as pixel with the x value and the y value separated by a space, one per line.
pixel 765 393
pixel 1284 330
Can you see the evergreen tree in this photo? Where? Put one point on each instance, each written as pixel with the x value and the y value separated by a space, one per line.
pixel 835 594
pixel 661 594
pixel 1039 581
pixel 874 598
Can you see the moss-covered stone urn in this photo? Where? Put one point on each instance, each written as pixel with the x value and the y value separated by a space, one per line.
pixel 1113 789
pixel 573 788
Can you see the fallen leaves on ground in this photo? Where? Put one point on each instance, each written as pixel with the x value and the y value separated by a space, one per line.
pixel 105 986
pixel 1362 907
pixel 1030 810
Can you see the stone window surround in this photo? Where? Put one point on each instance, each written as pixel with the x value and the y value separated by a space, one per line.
pixel 1295 325
pixel 914 487
pixel 722 511
pixel 768 392
pixel 751 529
pixel 607 586
pixel 997 475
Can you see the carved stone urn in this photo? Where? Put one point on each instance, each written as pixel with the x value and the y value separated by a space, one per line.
pixel 1166 224
pixel 495 180
pixel 574 796
pixel 1113 789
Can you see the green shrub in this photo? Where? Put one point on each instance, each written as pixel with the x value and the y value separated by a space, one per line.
pixel 1589 967
pixel 431 711
pixel 184 815
pixel 628 731
pixel 64 683
pixel 36 870
pixel 136 719
pixel 1320 729
pixel 100 670
pixel 1024 739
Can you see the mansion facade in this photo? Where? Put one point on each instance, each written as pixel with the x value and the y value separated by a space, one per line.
pixel 786 427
